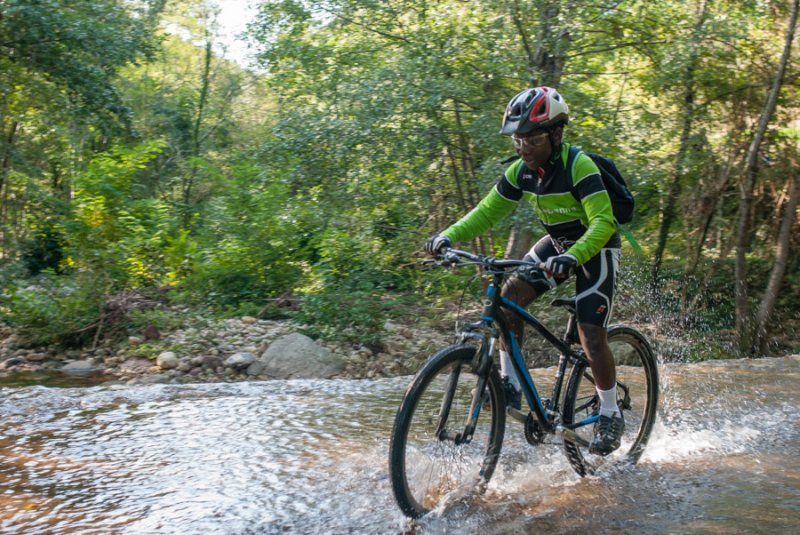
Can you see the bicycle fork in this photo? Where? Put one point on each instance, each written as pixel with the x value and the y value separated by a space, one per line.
pixel 480 364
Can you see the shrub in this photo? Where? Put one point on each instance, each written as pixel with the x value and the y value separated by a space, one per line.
pixel 55 310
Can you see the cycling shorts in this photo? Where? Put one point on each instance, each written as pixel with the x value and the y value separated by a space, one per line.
pixel 595 281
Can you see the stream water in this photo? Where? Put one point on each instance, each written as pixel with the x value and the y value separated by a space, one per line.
pixel 311 457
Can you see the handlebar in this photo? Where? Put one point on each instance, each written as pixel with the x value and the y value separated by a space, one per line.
pixel 455 256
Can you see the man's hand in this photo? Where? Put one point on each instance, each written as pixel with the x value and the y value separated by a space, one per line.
pixel 435 244
pixel 562 265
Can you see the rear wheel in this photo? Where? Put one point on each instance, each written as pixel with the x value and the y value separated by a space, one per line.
pixel 637 396
pixel 428 464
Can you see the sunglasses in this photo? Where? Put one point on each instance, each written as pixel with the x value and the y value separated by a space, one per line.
pixel 532 141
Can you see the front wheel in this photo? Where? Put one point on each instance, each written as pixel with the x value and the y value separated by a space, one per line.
pixel 637 397
pixel 429 464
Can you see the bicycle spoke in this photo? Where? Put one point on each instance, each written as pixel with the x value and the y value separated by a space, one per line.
pixel 429 461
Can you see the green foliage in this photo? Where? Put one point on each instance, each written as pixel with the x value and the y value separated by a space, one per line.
pixel 347 296
pixel 44 251
pixel 113 230
pixel 164 320
pixel 77 45
pixel 369 126
pixel 253 247
pixel 55 310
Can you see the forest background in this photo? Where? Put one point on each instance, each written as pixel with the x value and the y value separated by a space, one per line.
pixel 137 164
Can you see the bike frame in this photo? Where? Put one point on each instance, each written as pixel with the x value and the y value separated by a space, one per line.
pixel 547 414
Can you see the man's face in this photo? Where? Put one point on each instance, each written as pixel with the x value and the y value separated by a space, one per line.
pixel 534 148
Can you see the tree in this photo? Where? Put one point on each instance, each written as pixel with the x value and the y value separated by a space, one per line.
pixel 60 59
pixel 743 319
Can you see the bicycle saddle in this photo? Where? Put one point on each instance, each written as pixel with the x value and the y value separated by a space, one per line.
pixel 569 304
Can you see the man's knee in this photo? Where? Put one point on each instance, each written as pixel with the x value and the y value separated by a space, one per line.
pixel 519 291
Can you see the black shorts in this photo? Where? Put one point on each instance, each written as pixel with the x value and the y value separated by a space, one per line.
pixel 594 281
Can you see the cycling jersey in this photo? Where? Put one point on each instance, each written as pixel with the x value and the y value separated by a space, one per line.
pixel 575 210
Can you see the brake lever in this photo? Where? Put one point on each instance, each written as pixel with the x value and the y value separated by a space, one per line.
pixel 450 259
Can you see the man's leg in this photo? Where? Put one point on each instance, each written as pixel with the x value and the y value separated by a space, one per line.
pixel 523 294
pixel 523 291
pixel 594 339
pixel 595 286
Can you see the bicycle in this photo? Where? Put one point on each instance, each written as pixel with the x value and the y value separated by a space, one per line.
pixel 441 450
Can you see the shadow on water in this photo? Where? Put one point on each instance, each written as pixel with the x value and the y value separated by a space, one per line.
pixel 311 457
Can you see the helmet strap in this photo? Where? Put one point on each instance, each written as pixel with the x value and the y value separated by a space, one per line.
pixel 550 135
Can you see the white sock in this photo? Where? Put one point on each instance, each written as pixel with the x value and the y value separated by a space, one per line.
pixel 507 369
pixel 608 402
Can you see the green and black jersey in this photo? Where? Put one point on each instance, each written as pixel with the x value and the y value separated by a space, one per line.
pixel 574 207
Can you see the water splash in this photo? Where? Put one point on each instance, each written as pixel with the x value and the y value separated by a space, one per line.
pixel 311 457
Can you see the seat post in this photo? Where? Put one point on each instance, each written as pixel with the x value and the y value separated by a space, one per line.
pixel 571 334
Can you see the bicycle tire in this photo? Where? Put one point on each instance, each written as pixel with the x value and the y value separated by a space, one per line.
pixel 637 368
pixel 419 483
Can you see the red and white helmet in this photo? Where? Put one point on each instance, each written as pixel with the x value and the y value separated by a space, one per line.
pixel 532 109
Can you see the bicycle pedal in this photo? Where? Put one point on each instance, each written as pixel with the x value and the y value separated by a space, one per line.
pixel 517 414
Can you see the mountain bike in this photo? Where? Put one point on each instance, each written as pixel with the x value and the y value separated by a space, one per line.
pixel 449 428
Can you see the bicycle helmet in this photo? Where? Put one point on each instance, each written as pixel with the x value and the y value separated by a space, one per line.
pixel 536 108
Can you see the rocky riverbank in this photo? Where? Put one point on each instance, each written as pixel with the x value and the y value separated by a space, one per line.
pixel 237 349
pixel 247 348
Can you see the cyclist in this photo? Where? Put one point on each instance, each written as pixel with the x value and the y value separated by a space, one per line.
pixel 575 209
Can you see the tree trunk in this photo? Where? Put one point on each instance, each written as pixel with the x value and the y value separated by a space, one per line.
pixel 744 326
pixel 545 65
pixel 778 268
pixel 5 166
pixel 196 140
pixel 668 215
pixel 711 211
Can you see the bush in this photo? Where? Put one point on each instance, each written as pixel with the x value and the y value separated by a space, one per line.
pixel 50 310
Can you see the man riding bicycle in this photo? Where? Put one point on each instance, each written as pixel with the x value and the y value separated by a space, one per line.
pixel 576 211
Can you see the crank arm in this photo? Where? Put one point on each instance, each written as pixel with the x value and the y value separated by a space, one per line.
pixel 571 436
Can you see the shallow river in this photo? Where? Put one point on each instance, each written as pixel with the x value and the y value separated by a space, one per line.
pixel 311 457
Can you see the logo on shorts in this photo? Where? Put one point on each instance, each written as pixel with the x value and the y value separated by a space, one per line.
pixel 600 310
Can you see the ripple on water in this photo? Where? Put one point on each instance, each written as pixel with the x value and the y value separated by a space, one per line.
pixel 311 456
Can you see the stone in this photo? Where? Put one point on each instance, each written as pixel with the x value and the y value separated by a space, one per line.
pixel 249 320
pixel 134 341
pixel 240 360
pixel 167 360
pixel 79 367
pixel 12 362
pixel 37 357
pixel 298 356
pixel 256 368
pixel 211 363
pixel 151 333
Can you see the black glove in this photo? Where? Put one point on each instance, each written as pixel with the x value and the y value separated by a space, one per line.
pixel 561 265
pixel 435 244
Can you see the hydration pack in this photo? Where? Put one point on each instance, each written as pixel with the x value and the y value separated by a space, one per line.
pixel 622 202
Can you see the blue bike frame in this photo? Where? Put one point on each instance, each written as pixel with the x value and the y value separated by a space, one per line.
pixel 546 415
